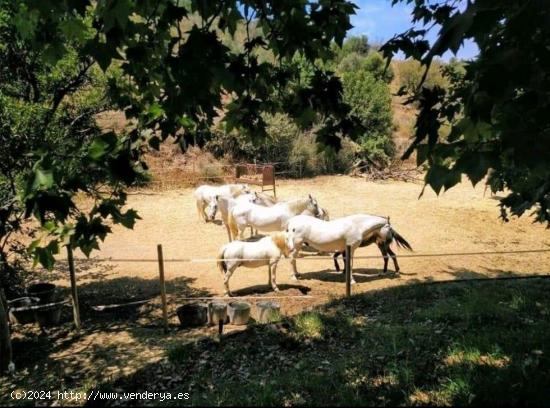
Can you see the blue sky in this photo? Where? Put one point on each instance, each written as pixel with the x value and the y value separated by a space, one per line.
pixel 379 21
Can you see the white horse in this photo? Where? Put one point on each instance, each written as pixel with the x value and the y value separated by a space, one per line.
pixel 334 236
pixel 267 251
pixel 205 193
pixel 268 218
pixel 225 204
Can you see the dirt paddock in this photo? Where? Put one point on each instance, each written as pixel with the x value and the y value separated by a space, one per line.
pixel 463 219
pixel 117 343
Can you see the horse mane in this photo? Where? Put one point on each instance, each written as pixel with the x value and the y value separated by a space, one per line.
pixel 298 205
pixel 279 240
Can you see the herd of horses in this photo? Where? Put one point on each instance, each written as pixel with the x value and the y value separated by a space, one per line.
pixel 293 224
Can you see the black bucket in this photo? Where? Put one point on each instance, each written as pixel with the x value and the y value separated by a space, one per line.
pixel 48 316
pixel 43 291
pixel 193 314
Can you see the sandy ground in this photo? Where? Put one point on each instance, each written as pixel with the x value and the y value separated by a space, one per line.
pixel 463 219
pixel 119 343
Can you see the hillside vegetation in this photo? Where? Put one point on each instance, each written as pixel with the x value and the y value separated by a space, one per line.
pixel 378 96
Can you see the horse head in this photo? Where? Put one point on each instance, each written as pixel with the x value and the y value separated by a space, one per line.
pixel 323 214
pixel 256 199
pixel 313 207
pixel 212 208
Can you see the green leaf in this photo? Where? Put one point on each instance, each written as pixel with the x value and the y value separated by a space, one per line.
pixel 154 142
pixel 43 179
pixel 75 29
pixel 101 145
pixel 439 176
pixel 45 255
pixel 475 165
pixel 128 219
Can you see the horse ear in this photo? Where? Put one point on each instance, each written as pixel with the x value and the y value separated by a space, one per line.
pixel 310 197
pixel 217 197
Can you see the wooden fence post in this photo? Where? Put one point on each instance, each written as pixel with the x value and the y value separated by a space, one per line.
pixel 74 293
pixel 348 270
pixel 162 288
pixel 5 336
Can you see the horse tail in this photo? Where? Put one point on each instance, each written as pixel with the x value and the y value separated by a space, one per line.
pixel 222 266
pixel 232 224
pixel 400 241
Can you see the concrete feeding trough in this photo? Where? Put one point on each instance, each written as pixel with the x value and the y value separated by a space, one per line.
pixel 238 312
pixel 217 311
pixel 193 314
pixel 268 311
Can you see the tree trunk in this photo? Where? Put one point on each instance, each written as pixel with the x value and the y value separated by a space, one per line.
pixel 5 338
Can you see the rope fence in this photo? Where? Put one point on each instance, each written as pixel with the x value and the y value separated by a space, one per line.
pixel 347 270
pixel 320 257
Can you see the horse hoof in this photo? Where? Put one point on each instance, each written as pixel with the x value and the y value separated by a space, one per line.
pixel 275 289
pixel 353 282
pixel 295 277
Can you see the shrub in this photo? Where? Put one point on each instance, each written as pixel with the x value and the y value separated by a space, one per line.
pixel 211 173
pixel 309 325
pixel 305 158
pixel 373 63
pixel 370 100
pixel 411 72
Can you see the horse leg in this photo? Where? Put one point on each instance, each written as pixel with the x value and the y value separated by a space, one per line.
pixel 200 210
pixel 394 257
pixel 351 266
pixel 228 232
pixel 335 258
pixel 295 274
pixel 383 248
pixel 241 232
pixel 273 276
pixel 226 277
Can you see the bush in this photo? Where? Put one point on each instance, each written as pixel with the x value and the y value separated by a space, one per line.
pixel 370 100
pixel 305 158
pixel 211 173
pixel 373 63
pixel 411 72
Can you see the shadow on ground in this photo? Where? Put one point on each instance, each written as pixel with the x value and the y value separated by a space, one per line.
pixel 453 343
pixel 361 275
pixel 460 344
pixel 110 344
